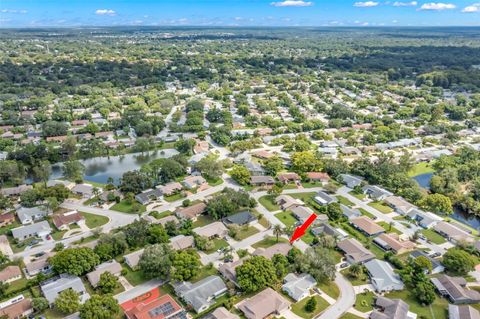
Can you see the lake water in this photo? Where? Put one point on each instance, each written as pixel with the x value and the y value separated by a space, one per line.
pixel 99 169
pixel 423 180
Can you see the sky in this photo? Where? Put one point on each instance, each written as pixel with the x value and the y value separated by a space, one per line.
pixel 368 13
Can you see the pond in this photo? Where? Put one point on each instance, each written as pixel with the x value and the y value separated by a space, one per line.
pixel 423 180
pixel 99 169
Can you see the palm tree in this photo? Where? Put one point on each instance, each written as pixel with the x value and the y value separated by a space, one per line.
pixel 277 231
pixel 356 270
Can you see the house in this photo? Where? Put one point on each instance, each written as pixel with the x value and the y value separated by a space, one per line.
pixel 10 274
pixel 40 229
pixel 213 230
pixel 40 265
pixel 222 313
pixel 288 178
pixel 162 221
pixel 161 307
pixel 63 221
pixel 30 215
pixel 391 309
pixel 350 213
pixel 455 289
pixel 112 267
pixel 132 259
pixel 266 303
pixel 462 312
pixel 54 286
pixel 355 253
pixel 452 233
pixel 382 276
pixel 171 188
pixel 262 180
pixel 240 219
pixel 191 212
pixel 287 202
pixel 424 219
pixel 149 195
pixel 323 198
pixel 55 182
pixel 298 286
pixel 392 242
pixel 15 191
pixel 110 196
pixel 200 147
pixel 350 180
pixel 279 248
pixel 367 226
pixel 84 190
pixel 318 177
pixel 16 308
pixel 437 266
pixel 192 182
pixel 202 294
pixel 5 248
pixel 180 242
pixel 228 270
pixel 7 219
pixel 255 169
pixel 263 154
pixel 302 213
pixel 375 192
pixel 399 204
pixel 327 229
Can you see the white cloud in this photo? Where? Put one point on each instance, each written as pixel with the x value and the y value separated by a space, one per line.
pixel 292 3
pixel 105 12
pixel 13 11
pixel 405 4
pixel 366 4
pixel 472 8
pixel 438 6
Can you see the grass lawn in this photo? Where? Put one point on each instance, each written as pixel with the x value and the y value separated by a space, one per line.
pixel 17 285
pixel 345 201
pixel 174 197
pixel 246 232
pixel 364 301
pixel 158 215
pixel 264 222
pixel 269 241
pixel 304 197
pixel 366 213
pixel 203 220
pixel 330 288
pixel 308 237
pixel 204 272
pixel 125 207
pixel 355 281
pixel 389 229
pixel 381 207
pixel 135 278
pixel 53 314
pixel 438 308
pixel 299 307
pixel 286 218
pixel 312 184
pixel 421 168
pixel 214 182
pixel 350 316
pixel 58 234
pixel 6 229
pixel 267 201
pixel 218 243
pixel 94 221
pixel 433 236
pixel 360 196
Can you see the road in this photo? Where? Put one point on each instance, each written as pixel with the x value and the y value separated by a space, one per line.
pixel 344 302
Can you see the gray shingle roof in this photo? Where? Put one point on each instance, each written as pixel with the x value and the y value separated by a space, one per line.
pixel 201 293
pixel 51 288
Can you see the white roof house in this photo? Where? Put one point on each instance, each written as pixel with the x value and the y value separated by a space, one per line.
pixel 383 276
pixel 298 286
pixel 40 229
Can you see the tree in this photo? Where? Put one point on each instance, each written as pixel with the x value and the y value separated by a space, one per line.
pixel 281 264
pixel 240 174
pixel 277 231
pixel 42 171
pixel 107 283
pixel 256 273
pixel 273 165
pixel 424 291
pixel 99 307
pixel 185 146
pixel 458 261
pixel 52 204
pixel 356 271
pixel 437 203
pixel 3 288
pixel 210 167
pixel 68 301
pixel 73 170
pixel 134 182
pixel 305 161
pixel 311 304
pixel 203 243
pixel 137 233
pixel 40 304
pixel 186 265
pixel 110 246
pixel 424 263
pixel 75 261
pixel 318 262
pixel 228 202
pixel 334 211
pixel 157 234
pixel 155 261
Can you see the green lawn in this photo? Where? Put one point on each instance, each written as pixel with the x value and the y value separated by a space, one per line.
pixel 57 235
pixel 421 168
pixel 366 213
pixel 125 207
pixel 204 272
pixel 433 236
pixel 364 301
pixel 350 316
pixel 299 307
pixel 246 232
pixel 158 215
pixel 269 241
pixel 6 229
pixel 214 182
pixel 308 237
pixel 268 201
pixel 312 184
pixel 203 220
pixel 360 196
pixel 218 243
pixel 17 285
pixel 286 218
pixel 174 197
pixel 381 207
pixel 438 308
pixel 388 228
pixel 330 288
pixel 135 278
pixel 304 197
pixel 93 221
pixel 355 281
pixel 345 201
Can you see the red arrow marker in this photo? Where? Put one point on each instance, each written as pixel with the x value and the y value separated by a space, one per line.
pixel 300 230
